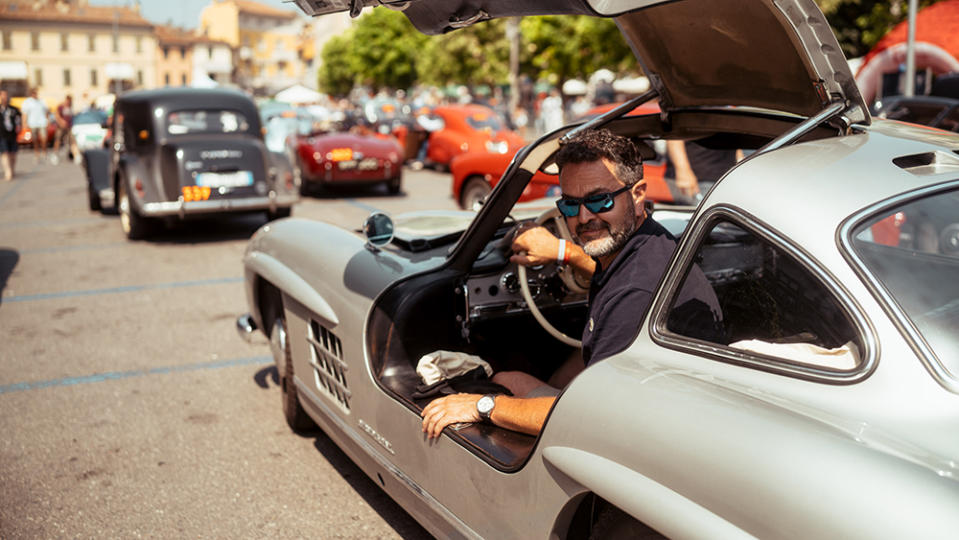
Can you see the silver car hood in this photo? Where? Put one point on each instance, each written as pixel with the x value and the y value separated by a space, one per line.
pixel 771 54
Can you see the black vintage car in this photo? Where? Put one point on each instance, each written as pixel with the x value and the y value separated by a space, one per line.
pixel 181 152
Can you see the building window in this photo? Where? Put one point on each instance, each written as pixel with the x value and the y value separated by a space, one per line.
pixel 66 76
pixel 7 45
pixel 116 43
pixel 92 42
pixel 183 79
pixel 281 66
pixel 139 77
pixel 182 52
pixel 139 44
pixel 93 77
pixel 34 41
pixel 38 77
pixel 166 52
pixel 166 79
pixel 64 42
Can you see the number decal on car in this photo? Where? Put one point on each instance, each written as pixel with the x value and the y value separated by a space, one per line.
pixel 196 193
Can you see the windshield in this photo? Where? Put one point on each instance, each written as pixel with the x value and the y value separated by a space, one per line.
pixel 204 121
pixel 912 249
pixel 480 121
pixel 90 117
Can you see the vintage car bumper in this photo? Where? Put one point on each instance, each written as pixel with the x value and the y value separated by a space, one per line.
pixel 183 208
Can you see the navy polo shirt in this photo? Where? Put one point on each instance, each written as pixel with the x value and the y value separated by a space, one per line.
pixel 620 296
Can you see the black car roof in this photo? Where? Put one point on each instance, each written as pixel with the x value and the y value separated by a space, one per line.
pixel 191 98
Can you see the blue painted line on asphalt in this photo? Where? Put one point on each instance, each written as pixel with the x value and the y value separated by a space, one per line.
pixel 118 290
pixel 117 375
pixel 82 247
pixel 364 206
pixel 50 222
pixel 11 191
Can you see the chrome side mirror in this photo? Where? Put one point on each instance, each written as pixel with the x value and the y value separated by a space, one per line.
pixel 378 229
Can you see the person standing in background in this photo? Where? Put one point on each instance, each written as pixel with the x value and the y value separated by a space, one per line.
pixel 38 117
pixel 64 116
pixel 10 123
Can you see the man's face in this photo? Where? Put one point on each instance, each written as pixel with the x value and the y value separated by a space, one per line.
pixel 4 97
pixel 602 235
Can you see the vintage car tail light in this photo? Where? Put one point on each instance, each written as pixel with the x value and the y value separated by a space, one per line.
pixel 138 185
pixel 340 154
pixel 289 179
pixel 143 134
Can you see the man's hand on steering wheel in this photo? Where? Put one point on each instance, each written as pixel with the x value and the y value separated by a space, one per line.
pixel 533 246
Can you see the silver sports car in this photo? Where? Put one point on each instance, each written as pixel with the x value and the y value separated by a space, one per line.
pixel 829 408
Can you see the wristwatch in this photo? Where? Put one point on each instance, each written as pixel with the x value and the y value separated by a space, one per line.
pixel 485 406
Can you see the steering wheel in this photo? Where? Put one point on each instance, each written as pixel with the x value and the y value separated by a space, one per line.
pixel 566 273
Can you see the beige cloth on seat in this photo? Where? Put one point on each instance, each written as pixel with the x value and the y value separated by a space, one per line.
pixel 842 358
pixel 440 365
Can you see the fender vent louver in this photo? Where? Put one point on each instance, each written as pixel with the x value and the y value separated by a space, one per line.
pixel 326 357
pixel 928 163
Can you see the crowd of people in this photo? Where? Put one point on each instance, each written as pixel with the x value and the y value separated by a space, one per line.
pixel 34 115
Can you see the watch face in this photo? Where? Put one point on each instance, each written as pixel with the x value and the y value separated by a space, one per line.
pixel 485 405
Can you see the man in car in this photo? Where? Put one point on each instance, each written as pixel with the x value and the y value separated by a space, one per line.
pixel 625 251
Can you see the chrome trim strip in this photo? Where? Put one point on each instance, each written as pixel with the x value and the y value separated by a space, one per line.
pixel 913 337
pixel 172 208
pixel 662 336
pixel 372 452
pixel 804 127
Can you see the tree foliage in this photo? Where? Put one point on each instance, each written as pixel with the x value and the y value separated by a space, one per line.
pixel 336 76
pixel 564 47
pixel 478 54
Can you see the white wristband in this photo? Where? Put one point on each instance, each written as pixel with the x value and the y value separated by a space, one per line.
pixel 561 254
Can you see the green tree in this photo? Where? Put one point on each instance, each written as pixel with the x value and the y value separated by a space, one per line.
pixel 564 47
pixel 478 54
pixel 385 48
pixel 336 76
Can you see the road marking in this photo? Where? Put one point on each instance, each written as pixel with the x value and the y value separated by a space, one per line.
pixel 117 290
pixel 50 222
pixel 116 375
pixel 82 247
pixel 364 206
pixel 11 191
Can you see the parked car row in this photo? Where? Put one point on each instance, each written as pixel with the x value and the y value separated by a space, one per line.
pixel 827 406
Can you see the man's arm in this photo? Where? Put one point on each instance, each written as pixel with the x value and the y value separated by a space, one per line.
pixel 526 415
pixel 536 245
pixel 686 179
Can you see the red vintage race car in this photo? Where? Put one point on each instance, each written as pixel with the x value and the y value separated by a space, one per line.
pixel 459 129
pixel 335 156
pixel 475 174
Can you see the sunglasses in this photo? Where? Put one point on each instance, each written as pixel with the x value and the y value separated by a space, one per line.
pixel 596 203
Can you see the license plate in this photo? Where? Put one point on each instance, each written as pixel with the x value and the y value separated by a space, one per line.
pixel 231 179
pixel 347 165
pixel 368 164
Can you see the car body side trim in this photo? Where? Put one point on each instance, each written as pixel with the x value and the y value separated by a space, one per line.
pixel 652 503
pixel 372 452
pixel 274 271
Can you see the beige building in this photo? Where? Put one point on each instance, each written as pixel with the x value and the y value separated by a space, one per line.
pixel 70 47
pixel 269 43
pixel 174 65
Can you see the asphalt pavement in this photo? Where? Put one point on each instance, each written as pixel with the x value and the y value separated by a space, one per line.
pixel 130 408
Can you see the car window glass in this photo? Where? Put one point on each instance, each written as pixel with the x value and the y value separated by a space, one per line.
pixel 951 121
pixel 484 120
pixel 205 121
pixel 912 249
pixel 771 303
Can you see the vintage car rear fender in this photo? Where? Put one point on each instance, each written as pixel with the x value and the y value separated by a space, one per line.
pixel 651 502
pixel 769 468
pixel 276 272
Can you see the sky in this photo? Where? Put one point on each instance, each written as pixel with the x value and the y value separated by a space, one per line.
pixel 182 13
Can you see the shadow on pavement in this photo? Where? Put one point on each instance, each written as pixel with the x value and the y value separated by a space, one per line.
pixel 350 192
pixel 214 229
pixel 377 499
pixel 8 261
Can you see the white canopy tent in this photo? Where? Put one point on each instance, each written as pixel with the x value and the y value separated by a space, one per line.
pixel 200 79
pixel 298 94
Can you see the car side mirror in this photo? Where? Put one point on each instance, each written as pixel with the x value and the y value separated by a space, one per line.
pixel 378 229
